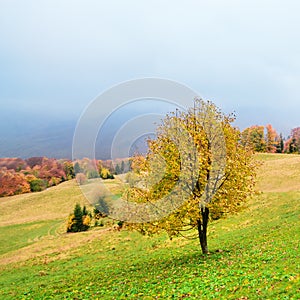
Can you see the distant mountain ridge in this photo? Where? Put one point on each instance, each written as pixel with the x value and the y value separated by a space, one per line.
pixel 54 140
pixel 27 133
pixel 51 141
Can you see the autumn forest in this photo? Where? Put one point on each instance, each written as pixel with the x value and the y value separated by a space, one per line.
pixel 18 176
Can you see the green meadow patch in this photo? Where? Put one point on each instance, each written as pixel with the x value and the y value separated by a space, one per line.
pixel 253 255
pixel 17 236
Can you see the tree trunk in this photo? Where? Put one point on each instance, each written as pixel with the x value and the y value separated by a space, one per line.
pixel 202 229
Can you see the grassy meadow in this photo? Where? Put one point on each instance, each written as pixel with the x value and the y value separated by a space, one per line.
pixel 253 254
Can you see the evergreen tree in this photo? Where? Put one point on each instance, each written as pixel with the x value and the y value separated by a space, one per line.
pixel 92 174
pixel 280 145
pixel 103 207
pixel 77 168
pixel 79 220
pixel 122 167
pixel 117 170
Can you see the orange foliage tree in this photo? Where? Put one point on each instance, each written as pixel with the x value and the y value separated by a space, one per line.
pixel 12 183
pixel 272 139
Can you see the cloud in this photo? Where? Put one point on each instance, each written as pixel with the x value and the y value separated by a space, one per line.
pixel 59 55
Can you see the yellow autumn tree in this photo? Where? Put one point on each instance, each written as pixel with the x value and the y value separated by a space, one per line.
pixel 195 170
pixel 254 136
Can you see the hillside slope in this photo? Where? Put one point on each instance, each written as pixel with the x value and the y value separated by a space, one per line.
pixel 52 204
pixel 279 173
pixel 254 254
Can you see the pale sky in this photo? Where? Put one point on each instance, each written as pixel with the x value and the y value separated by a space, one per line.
pixel 56 56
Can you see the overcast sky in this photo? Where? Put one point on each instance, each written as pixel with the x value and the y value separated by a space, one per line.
pixel 56 56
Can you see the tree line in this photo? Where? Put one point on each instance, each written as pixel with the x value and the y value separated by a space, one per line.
pixel 18 176
pixel 266 139
pixel 35 174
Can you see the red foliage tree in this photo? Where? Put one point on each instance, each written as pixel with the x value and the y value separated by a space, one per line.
pixel 49 169
pixel 33 161
pixel 292 144
pixel 16 164
pixel 12 183
pixel 35 173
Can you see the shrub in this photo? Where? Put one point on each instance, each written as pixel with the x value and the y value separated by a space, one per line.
pixel 105 174
pixel 38 185
pixel 81 178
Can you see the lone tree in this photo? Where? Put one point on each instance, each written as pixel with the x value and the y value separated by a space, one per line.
pixel 195 170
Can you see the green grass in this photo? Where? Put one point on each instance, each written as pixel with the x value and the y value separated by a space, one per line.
pixel 254 255
pixel 14 237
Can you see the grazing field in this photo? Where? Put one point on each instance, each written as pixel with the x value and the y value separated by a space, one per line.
pixel 254 254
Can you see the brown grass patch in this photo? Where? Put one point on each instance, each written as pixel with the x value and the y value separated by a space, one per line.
pixel 54 203
pixel 279 173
